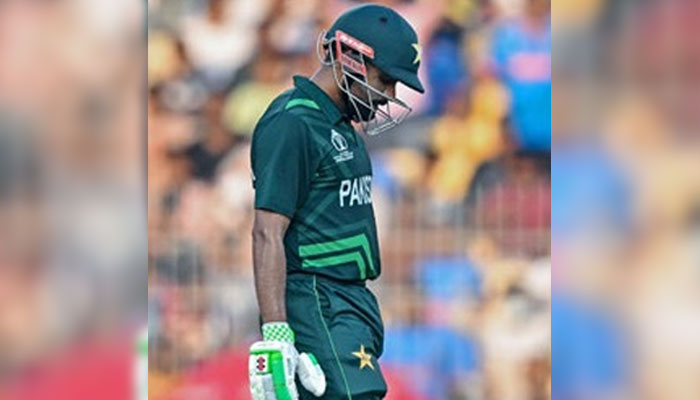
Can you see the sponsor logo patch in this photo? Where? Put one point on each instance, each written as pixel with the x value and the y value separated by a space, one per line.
pixel 261 364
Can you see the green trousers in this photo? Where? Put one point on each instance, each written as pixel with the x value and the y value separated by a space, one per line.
pixel 340 324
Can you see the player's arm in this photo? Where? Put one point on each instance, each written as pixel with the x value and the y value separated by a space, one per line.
pixel 269 264
pixel 274 361
pixel 281 163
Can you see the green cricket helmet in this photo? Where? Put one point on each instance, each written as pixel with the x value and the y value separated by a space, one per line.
pixel 376 35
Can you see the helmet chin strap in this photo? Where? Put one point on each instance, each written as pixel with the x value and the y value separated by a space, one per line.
pixel 373 118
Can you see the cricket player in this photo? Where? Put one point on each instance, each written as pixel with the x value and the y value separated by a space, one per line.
pixel 314 237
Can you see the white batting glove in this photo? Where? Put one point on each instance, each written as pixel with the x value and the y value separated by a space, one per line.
pixel 273 363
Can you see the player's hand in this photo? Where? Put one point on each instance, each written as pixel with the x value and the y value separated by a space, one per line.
pixel 274 362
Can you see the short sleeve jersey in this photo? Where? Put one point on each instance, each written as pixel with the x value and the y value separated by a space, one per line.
pixel 310 165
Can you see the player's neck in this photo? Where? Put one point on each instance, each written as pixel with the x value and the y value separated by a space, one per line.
pixel 324 79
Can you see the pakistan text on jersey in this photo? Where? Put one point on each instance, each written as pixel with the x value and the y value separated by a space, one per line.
pixel 356 191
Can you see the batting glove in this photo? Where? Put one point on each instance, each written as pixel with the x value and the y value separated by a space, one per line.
pixel 274 362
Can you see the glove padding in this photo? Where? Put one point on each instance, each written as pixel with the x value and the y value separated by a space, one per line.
pixel 274 362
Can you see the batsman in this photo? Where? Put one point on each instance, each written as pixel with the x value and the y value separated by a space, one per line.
pixel 314 236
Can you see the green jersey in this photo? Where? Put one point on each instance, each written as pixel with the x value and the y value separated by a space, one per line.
pixel 310 165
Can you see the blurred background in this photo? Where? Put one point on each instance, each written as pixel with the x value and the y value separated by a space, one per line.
pixel 461 192
pixel 73 244
pixel 626 200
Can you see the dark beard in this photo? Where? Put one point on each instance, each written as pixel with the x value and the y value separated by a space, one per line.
pixel 365 113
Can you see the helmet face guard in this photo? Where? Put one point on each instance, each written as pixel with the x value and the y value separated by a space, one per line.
pixel 376 113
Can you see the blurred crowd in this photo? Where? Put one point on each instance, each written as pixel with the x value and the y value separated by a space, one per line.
pixel 461 191
pixel 72 198
pixel 626 200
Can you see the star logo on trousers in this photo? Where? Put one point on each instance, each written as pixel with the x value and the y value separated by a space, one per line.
pixel 365 358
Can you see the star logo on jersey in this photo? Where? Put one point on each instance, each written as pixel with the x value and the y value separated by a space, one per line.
pixel 365 358
pixel 418 50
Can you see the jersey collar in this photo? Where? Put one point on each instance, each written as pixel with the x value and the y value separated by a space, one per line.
pixel 316 94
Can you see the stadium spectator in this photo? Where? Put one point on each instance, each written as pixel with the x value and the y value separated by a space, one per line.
pixel 521 52
pixel 220 42
pixel 214 144
pixel 447 72
pixel 433 357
